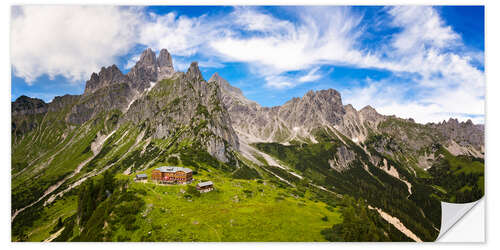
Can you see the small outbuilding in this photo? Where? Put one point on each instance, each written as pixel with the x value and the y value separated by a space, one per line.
pixel 141 177
pixel 204 187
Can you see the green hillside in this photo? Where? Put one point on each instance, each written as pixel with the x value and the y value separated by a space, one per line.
pixel 237 210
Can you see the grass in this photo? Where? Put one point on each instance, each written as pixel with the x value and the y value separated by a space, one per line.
pixel 63 208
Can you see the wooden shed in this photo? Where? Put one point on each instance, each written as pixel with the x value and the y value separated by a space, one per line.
pixel 204 187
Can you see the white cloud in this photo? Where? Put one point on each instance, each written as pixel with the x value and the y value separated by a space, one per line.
pixel 72 41
pixel 132 61
pixel 447 84
pixel 327 36
pixel 422 27
pixel 181 35
pixel 411 101
pixel 252 20
pixel 279 82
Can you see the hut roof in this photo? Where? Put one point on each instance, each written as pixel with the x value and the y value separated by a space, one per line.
pixel 142 176
pixel 171 169
pixel 206 183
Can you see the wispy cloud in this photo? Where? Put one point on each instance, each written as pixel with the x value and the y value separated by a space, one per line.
pixel 448 84
pixel 311 76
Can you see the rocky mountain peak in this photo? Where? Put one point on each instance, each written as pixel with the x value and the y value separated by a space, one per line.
pixel 324 95
pixel 194 73
pixel 106 77
pixel 24 105
pixel 464 133
pixel 144 71
pixel 224 85
pixel 165 65
pixel 349 108
pixel 148 58
pixel 164 59
pixel 370 114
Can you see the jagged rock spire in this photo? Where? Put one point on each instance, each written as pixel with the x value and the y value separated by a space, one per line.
pixel 194 72
pixel 165 65
pixel 164 59
pixel 148 58
pixel 224 85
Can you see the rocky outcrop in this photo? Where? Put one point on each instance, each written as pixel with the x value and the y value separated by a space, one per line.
pixel 356 125
pixel 165 65
pixel 106 77
pixel 188 108
pixel 225 86
pixel 314 109
pixel 342 159
pixel 24 105
pixel 61 102
pixel 148 69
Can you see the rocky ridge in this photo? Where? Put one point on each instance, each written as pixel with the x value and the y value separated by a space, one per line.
pixel 297 119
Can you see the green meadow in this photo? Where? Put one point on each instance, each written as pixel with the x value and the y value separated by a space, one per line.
pixel 237 210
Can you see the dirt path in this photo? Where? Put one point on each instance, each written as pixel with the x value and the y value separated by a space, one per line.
pixel 397 224
pixel 54 235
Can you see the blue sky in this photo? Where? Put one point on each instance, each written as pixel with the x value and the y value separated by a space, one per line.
pixel 422 62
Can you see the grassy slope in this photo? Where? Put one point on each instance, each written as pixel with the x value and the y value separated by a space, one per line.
pixel 237 210
pixel 63 209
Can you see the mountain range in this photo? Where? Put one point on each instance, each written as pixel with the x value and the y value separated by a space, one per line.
pixel 390 170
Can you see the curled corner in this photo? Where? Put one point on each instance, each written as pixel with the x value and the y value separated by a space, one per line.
pixel 451 213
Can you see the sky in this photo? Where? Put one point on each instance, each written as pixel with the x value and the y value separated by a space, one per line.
pixel 420 62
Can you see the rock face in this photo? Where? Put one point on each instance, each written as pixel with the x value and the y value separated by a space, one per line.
pixel 111 89
pixel 187 107
pixel 106 77
pixel 356 125
pixel 148 69
pixel 464 133
pixel 342 159
pixel 294 120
